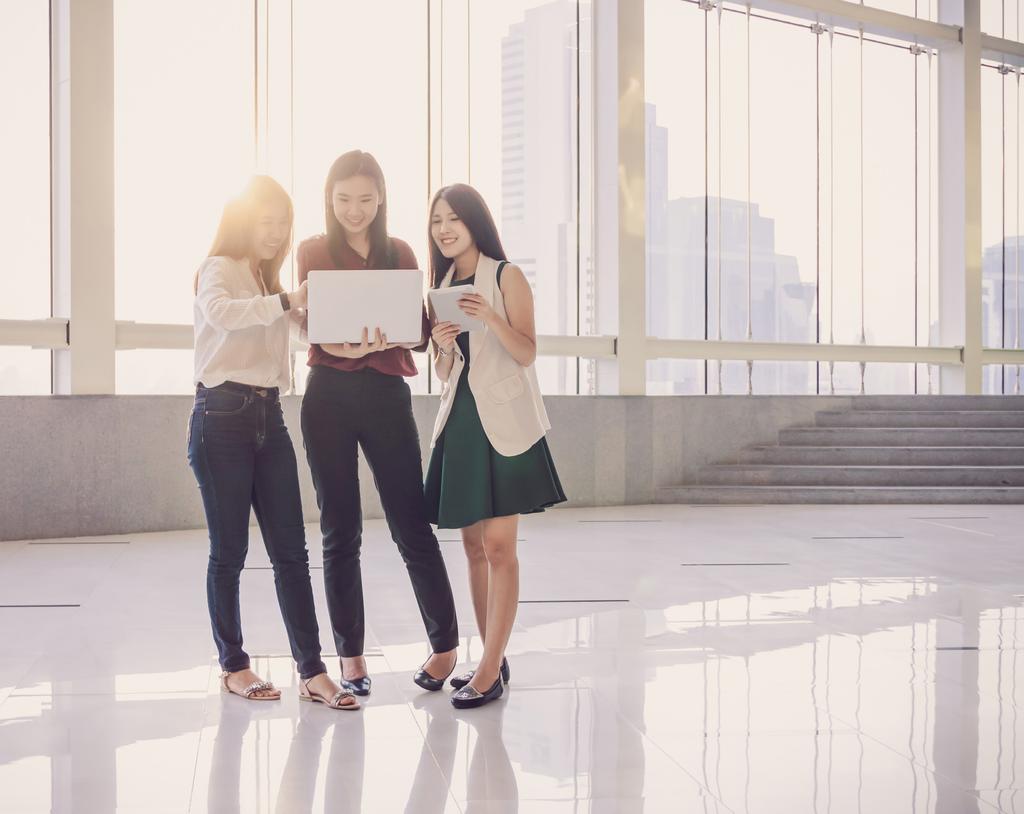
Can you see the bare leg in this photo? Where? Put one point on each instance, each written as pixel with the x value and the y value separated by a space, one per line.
pixel 440 665
pixel 353 667
pixel 324 685
pixel 473 543
pixel 499 536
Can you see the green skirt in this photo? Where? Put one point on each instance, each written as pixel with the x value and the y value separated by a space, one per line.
pixel 467 481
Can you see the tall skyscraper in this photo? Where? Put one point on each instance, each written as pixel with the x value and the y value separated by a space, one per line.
pixel 539 157
pixel 540 152
pixel 1002 320
pixel 680 232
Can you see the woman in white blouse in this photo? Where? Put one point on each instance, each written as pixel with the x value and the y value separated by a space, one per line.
pixel 238 444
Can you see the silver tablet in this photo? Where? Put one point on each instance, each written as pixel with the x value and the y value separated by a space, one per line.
pixel 445 302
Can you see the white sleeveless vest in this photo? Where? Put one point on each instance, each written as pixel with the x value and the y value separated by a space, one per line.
pixel 507 394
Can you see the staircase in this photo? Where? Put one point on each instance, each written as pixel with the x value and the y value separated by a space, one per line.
pixel 886 449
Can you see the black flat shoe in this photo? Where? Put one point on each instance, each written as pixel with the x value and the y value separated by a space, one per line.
pixel 357 686
pixel 468 698
pixel 428 682
pixel 461 681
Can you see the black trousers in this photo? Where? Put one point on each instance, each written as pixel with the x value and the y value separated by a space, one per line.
pixel 342 411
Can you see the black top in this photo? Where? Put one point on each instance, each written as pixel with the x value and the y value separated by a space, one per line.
pixel 463 338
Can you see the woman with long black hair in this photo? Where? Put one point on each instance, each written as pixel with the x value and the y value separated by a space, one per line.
pixel 357 397
pixel 490 460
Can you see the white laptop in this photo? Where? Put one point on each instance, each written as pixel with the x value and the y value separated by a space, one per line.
pixel 342 303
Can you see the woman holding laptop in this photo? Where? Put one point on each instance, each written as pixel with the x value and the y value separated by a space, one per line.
pixel 356 396
pixel 238 445
pixel 490 460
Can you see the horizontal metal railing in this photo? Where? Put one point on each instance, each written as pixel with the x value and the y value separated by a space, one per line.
pixel 53 334
pixel 873 20
pixel 799 352
pixel 35 333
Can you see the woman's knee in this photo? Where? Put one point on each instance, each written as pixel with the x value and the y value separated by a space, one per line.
pixel 226 564
pixel 293 555
pixel 473 545
pixel 343 544
pixel 500 552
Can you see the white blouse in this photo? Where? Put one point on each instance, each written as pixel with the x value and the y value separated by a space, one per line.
pixel 242 334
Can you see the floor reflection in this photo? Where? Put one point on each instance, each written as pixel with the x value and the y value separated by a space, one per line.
pixel 864 676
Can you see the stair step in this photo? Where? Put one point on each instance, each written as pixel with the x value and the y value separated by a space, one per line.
pixel 938 402
pixel 841 495
pixel 921 418
pixel 884 456
pixel 902 436
pixel 886 449
pixel 790 475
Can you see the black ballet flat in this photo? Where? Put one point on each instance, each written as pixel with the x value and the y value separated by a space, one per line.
pixel 428 682
pixel 461 681
pixel 357 686
pixel 468 698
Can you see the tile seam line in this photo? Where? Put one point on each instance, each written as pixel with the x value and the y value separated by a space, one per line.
pixel 199 742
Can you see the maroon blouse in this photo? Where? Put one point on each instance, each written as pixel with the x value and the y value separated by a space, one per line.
pixel 313 255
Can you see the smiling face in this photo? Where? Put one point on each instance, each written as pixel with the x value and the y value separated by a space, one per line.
pixel 271 230
pixel 356 201
pixel 448 230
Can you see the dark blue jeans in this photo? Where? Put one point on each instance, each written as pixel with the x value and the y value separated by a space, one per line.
pixel 242 457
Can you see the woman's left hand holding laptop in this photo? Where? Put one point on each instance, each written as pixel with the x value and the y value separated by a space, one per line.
pixel 352 350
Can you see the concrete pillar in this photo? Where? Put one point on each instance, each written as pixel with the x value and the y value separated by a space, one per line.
pixel 959 169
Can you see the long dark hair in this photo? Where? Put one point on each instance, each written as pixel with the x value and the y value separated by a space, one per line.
pixel 234 234
pixel 356 162
pixel 472 209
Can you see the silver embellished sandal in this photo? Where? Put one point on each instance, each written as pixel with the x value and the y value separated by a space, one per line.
pixel 342 699
pixel 253 691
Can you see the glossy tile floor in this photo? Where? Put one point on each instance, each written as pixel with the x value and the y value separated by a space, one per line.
pixel 666 659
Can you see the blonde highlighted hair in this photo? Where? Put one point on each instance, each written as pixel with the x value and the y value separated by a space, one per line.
pixel 237 224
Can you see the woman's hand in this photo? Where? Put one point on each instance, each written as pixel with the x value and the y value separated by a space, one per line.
pixel 350 350
pixel 444 333
pixel 477 307
pixel 299 297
